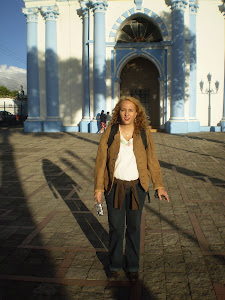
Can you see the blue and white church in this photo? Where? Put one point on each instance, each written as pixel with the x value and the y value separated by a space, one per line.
pixel 82 56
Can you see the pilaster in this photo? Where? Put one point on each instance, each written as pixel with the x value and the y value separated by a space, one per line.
pixel 193 123
pixel 99 72
pixel 222 122
pixel 33 122
pixel 52 122
pixel 85 122
pixel 177 122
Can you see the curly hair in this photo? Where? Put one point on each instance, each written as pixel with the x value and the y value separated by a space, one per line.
pixel 141 121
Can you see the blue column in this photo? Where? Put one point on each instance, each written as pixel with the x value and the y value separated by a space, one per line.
pixel 177 123
pixel 52 122
pixel 222 122
pixel 99 72
pixel 193 123
pixel 85 122
pixel 33 122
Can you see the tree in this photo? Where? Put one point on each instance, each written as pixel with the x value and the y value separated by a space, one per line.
pixel 13 93
pixel 4 91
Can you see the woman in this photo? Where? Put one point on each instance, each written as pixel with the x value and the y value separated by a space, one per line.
pixel 123 171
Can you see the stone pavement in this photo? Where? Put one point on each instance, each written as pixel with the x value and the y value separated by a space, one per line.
pixel 53 246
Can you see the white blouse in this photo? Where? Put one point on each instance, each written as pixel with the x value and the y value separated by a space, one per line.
pixel 126 165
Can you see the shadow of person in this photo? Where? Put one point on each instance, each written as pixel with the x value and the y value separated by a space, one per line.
pixel 96 234
pixel 134 291
pixel 19 264
pixel 146 294
pixel 191 173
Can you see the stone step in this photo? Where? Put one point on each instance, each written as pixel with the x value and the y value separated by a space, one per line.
pixel 154 129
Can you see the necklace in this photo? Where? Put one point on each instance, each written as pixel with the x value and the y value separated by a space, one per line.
pixel 127 134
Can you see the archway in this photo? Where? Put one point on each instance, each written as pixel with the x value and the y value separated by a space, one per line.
pixel 139 78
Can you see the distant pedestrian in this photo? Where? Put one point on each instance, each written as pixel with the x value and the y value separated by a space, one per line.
pixel 108 118
pixel 103 122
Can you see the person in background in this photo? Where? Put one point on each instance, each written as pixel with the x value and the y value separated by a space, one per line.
pixel 123 171
pixel 108 118
pixel 103 122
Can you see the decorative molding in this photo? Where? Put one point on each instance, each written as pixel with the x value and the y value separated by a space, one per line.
pixel 84 8
pixel 222 8
pixel 132 11
pixel 147 12
pixel 31 14
pixel 138 4
pixel 112 34
pixel 50 13
pixel 146 46
pixel 193 8
pixel 178 5
pixel 153 14
pixel 119 20
pixel 139 52
pixel 99 6
pixel 115 26
pixel 125 15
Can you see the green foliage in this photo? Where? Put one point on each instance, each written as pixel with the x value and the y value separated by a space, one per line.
pixel 14 93
pixel 5 92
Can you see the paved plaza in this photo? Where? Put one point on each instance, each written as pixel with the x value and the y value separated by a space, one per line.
pixel 54 246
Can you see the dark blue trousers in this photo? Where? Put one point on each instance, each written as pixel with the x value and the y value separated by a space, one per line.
pixel 116 218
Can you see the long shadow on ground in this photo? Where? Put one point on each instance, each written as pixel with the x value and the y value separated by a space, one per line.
pixel 92 228
pixel 192 173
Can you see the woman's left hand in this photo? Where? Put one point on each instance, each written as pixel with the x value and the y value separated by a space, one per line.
pixel 163 195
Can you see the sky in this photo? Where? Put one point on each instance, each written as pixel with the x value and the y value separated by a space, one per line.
pixel 13 35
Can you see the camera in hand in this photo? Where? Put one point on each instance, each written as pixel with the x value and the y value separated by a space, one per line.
pixel 99 209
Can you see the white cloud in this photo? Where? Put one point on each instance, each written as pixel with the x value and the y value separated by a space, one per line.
pixel 13 77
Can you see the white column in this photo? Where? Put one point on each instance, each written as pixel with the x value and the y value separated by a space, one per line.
pixel 85 122
pixel 33 122
pixel 177 122
pixel 193 123
pixel 99 72
pixel 222 122
pixel 52 122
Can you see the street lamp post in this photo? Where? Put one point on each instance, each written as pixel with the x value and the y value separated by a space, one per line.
pixel 209 91
pixel 21 96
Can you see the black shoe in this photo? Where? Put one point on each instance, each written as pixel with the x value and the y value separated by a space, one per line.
pixel 133 276
pixel 113 275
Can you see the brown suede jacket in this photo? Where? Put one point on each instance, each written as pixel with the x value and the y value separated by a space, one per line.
pixel 147 162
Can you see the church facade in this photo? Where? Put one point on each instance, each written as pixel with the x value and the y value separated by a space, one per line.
pixel 82 56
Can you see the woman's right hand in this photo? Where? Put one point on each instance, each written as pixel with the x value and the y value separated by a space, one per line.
pixel 98 196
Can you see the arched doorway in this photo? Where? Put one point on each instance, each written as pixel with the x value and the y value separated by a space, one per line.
pixel 139 78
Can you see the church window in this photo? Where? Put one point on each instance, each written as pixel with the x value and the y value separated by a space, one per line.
pixel 139 30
